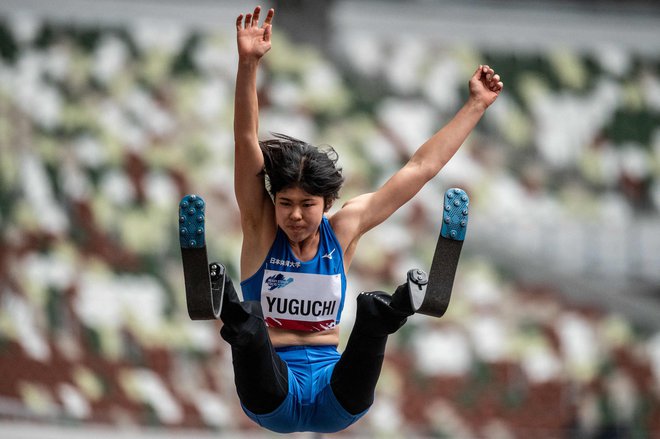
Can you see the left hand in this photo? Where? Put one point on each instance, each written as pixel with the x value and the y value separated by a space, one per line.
pixel 254 40
pixel 485 86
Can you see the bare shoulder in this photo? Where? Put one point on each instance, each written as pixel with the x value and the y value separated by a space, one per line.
pixel 347 218
pixel 258 237
pixel 347 224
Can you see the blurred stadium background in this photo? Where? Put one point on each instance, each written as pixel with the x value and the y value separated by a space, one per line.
pixel 111 111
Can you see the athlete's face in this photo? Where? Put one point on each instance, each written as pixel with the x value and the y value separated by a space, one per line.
pixel 298 213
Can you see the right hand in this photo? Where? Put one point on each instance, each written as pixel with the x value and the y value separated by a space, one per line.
pixel 485 86
pixel 253 41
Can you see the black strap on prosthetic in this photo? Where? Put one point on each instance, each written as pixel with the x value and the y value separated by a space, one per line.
pixel 204 284
pixel 260 375
pixel 430 294
pixel 355 375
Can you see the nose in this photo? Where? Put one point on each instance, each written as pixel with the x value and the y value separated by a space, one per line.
pixel 296 213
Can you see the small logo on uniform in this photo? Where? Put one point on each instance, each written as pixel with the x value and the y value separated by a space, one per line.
pixel 278 281
pixel 329 255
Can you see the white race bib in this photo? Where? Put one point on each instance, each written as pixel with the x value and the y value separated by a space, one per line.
pixel 300 301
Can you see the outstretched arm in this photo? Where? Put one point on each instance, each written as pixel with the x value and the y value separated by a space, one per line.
pixel 255 206
pixel 364 212
pixel 253 42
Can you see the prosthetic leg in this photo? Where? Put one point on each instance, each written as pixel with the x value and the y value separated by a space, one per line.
pixel 204 282
pixel 260 374
pixel 379 314
pixel 430 294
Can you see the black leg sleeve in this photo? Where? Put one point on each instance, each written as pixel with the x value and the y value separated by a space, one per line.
pixel 260 374
pixel 356 374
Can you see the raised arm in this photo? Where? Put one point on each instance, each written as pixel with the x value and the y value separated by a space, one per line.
pixel 367 211
pixel 255 206
pixel 253 42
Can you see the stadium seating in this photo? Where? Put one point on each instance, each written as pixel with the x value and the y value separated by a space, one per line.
pixel 99 124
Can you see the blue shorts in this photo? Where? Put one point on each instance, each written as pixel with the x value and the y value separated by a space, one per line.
pixel 310 404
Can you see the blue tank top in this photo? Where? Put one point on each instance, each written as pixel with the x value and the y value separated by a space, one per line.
pixel 302 296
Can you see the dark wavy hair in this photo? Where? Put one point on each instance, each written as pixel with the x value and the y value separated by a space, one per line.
pixel 289 162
